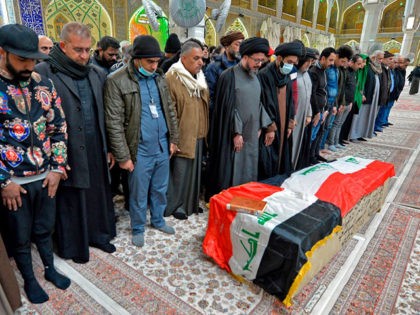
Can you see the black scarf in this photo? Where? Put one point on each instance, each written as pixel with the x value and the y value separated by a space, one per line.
pixel 61 63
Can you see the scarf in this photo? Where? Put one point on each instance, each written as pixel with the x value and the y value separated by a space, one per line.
pixel 194 86
pixel 361 80
pixel 376 67
pixel 61 63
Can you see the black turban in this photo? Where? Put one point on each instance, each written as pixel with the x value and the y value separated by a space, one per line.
pixel 254 45
pixel 290 49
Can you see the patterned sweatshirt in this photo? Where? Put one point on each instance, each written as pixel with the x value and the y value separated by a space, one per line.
pixel 33 136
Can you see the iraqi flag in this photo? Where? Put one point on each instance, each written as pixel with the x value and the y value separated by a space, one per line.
pixel 272 250
pixel 342 182
pixel 269 249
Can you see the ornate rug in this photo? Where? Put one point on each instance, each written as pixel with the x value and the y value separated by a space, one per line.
pixel 170 274
pixel 409 191
pixel 74 300
pixel 377 280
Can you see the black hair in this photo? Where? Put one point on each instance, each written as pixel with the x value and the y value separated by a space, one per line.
pixel 345 51
pixel 218 49
pixel 108 41
pixel 355 57
pixel 327 52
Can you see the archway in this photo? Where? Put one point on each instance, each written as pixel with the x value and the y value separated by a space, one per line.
pixel 139 25
pixel 392 17
pixel 353 18
pixel 88 12
pixel 210 32
pixel 355 45
pixel 238 25
pixel 392 46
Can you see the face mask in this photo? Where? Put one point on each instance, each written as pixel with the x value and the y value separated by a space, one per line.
pixel 144 72
pixel 286 68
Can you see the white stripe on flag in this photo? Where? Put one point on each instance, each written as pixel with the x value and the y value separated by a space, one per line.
pixel 250 234
pixel 307 181
pixel 350 164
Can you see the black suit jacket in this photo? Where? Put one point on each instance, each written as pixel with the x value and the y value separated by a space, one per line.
pixel 78 176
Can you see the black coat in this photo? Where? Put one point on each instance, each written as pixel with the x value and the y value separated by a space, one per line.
pixel 270 163
pixel 369 86
pixel 221 153
pixel 78 176
pixel 399 82
pixel 385 82
pixel 319 89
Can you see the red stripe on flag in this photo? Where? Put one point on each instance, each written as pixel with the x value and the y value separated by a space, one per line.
pixel 217 243
pixel 345 190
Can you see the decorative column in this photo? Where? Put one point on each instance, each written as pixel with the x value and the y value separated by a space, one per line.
pixel 299 11
pixel 373 12
pixel 9 11
pixel 3 13
pixel 315 16
pixel 254 5
pixel 279 8
pixel 411 25
pixel 329 9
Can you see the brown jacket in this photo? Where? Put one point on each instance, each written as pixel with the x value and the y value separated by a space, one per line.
pixel 192 113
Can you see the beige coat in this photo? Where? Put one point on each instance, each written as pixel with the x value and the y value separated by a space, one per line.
pixel 192 114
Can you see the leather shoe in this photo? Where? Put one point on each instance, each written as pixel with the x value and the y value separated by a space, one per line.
pixel 361 139
pixel 106 247
pixel 322 159
pixel 180 214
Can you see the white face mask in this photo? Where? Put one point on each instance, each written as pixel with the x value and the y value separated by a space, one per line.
pixel 286 68
pixel 144 72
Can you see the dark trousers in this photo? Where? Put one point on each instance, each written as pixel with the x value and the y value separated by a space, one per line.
pixel 120 176
pixel 316 139
pixel 33 221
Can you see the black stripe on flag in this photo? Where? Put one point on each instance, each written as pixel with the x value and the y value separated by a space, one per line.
pixel 289 241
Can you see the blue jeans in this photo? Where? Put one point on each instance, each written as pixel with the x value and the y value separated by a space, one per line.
pixel 379 121
pixel 328 125
pixel 388 111
pixel 338 122
pixel 148 182
pixel 315 129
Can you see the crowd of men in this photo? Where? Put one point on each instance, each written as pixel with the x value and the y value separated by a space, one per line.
pixel 77 128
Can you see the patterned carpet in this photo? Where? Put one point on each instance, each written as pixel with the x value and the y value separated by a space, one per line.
pixel 375 284
pixel 171 275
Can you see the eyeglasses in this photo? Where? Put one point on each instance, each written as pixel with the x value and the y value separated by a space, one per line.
pixel 257 60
